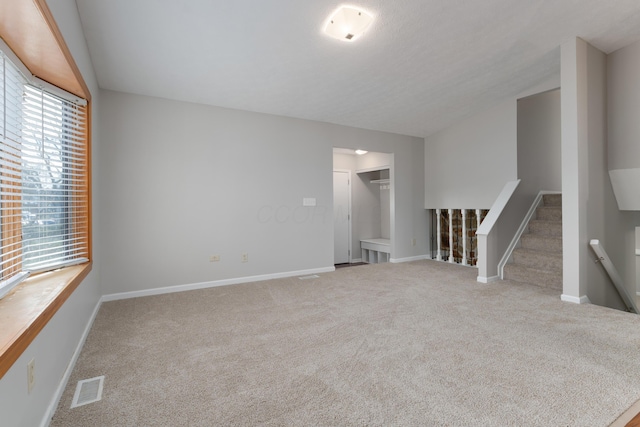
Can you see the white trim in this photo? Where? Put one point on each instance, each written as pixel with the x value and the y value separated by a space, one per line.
pixel 356 260
pixel 451 260
pixel 55 90
pixel 15 60
pixel 349 213
pixel 373 169
pixel 523 226
pixel 7 285
pixel 575 300
pixel 409 259
pixel 627 415
pixel 213 284
pixel 496 209
pixel 48 415
pixel 482 279
pixel 438 234
pixel 465 236
pixel 36 81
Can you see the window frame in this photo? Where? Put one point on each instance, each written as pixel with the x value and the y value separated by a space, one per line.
pixel 30 31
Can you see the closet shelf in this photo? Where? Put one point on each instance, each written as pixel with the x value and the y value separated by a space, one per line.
pixel 380 181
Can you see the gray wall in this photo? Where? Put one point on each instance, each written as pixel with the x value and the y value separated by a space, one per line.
pixel 623 68
pixel 589 206
pixel 184 181
pixel 623 150
pixel 468 164
pixel 539 154
pixel 53 348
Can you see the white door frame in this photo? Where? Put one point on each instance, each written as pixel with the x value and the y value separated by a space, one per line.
pixel 349 214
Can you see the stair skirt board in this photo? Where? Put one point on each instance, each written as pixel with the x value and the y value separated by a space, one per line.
pixel 523 226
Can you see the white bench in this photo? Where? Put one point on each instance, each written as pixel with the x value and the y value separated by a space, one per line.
pixel 375 250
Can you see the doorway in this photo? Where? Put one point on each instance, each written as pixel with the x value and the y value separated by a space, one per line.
pixel 370 213
pixel 341 216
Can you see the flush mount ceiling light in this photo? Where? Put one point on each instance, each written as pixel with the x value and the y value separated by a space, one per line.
pixel 361 152
pixel 348 23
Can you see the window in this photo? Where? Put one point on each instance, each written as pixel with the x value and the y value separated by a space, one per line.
pixel 44 205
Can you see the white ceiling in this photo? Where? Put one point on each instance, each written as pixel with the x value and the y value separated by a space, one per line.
pixel 422 66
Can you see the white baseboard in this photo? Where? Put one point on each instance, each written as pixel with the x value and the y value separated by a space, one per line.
pixel 213 284
pixel 575 300
pixel 67 373
pixel 357 260
pixel 409 259
pixel 483 279
pixel 627 415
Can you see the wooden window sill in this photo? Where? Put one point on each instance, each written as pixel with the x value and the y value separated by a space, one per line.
pixel 26 310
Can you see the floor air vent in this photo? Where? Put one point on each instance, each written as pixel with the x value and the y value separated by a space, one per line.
pixel 313 276
pixel 88 391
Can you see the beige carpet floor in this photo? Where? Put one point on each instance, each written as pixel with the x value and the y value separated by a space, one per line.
pixel 416 344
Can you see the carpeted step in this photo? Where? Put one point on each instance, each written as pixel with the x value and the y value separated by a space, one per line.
pixel 533 276
pixel 552 199
pixel 549 213
pixel 542 243
pixel 545 228
pixel 538 260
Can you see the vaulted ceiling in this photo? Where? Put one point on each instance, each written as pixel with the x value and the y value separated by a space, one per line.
pixel 423 65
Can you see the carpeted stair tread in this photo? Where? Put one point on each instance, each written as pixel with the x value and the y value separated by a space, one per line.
pixel 541 260
pixel 552 200
pixel 542 243
pixel 545 227
pixel 544 278
pixel 549 213
pixel 538 260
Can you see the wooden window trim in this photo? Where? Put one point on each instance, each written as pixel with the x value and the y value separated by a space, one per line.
pixel 28 28
pixel 30 306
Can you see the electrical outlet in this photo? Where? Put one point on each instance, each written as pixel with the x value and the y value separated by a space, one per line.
pixel 31 375
pixel 214 258
pixel 245 257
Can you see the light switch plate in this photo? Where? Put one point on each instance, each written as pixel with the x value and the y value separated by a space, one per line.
pixel 309 201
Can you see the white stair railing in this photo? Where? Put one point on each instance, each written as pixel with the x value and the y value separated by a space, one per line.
pixel 451 257
pixel 450 240
pixel 604 259
pixel 439 234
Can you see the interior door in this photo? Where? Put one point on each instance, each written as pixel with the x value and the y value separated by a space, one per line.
pixel 341 217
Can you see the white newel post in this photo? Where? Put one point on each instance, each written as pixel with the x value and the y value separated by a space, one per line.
pixel 464 237
pixel 439 236
pixel 451 260
pixel 477 218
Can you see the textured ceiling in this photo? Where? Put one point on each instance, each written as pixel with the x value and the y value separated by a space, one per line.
pixel 422 66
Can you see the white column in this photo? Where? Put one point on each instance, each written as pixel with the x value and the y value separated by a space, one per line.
pixel 477 218
pixel 464 237
pixel 439 236
pixel 451 236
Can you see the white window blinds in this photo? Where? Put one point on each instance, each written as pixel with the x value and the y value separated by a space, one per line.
pixel 43 178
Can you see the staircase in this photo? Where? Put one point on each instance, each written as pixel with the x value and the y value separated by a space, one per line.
pixel 538 258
